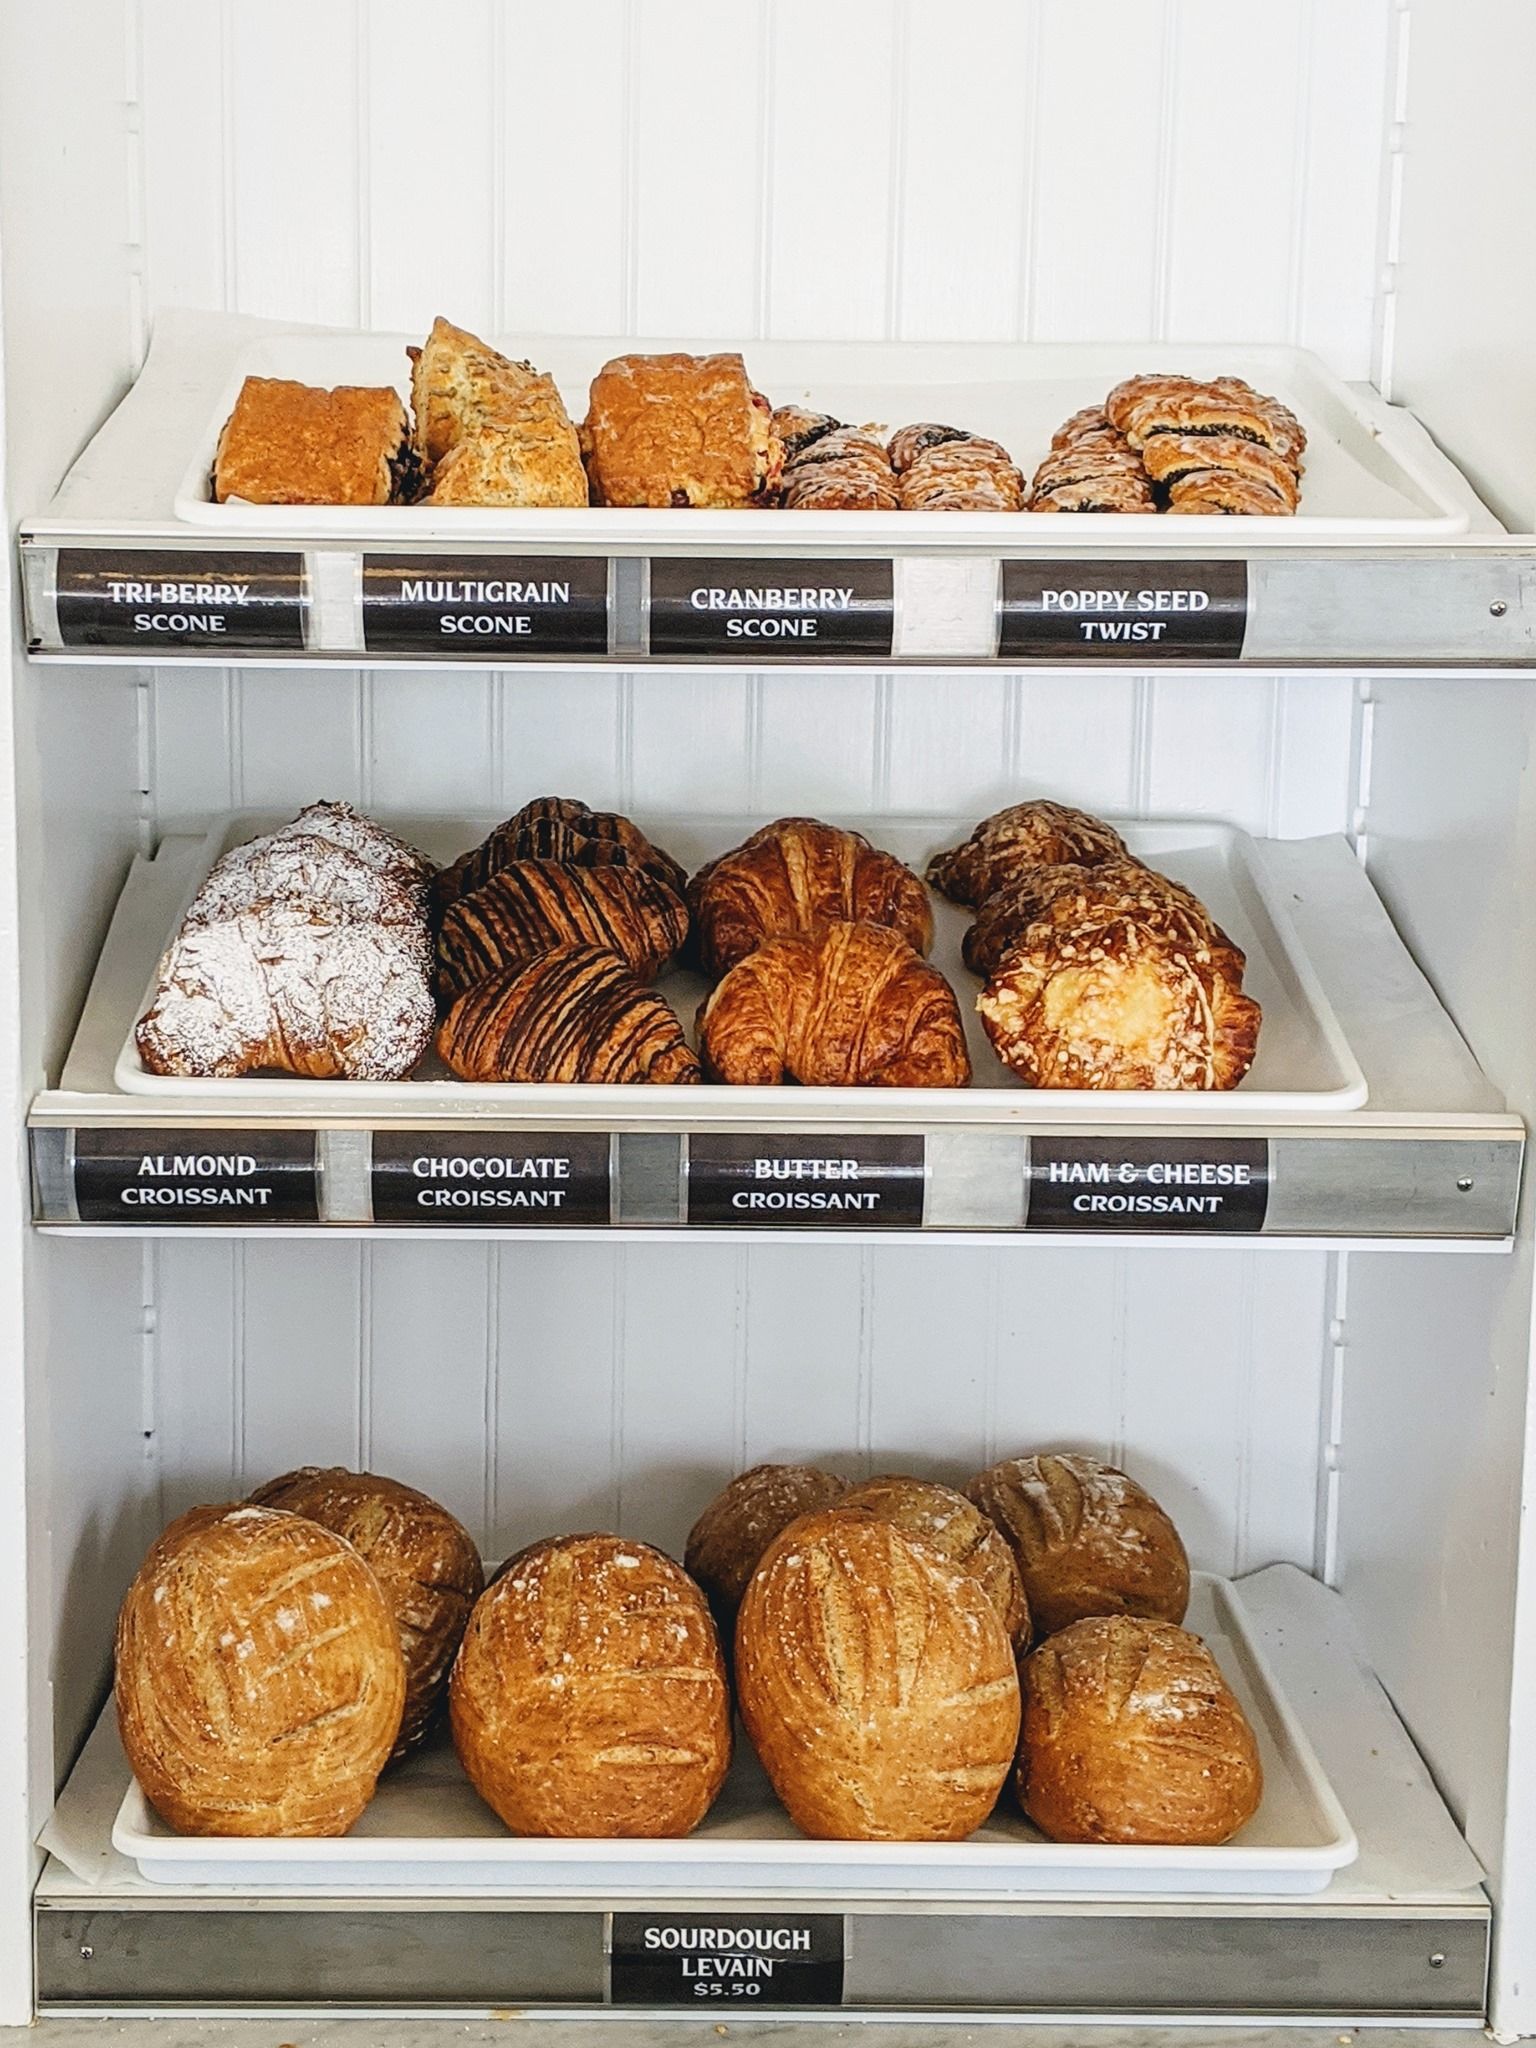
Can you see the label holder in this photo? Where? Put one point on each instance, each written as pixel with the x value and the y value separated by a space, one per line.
pixel 859 622
pixel 254 600
pixel 1123 610
pixel 720 1961
pixel 148 1177
pixel 1145 1183
pixel 544 606
pixel 775 1182
pixel 568 1183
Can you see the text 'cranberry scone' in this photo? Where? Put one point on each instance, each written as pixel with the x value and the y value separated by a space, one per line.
pixel 306 952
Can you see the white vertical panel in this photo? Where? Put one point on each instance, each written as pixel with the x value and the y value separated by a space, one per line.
pixel 683 1347
pixel 931 1325
pixel 297 196
pixel 695 111
pixel 1058 1351
pixel 429 223
pixel 554 1400
pixel 968 106
pixel 691 742
pixel 200 1363
pixel 300 1334
pixel 193 752
pixel 562 735
pixel 1336 234
pixel 805 1323
pixel 323 710
pixel 948 742
pixel 563 117
pixel 1098 171
pixel 425 1371
pixel 430 741
pixel 1313 775
pixel 1210 746
pixel 1079 740
pixel 1287 1352
pixel 188 167
pixel 1230 249
pixel 830 197
pixel 818 747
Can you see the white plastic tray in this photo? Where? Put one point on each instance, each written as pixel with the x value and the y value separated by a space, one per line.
pixel 427 1829
pixel 1304 1064
pixel 1364 478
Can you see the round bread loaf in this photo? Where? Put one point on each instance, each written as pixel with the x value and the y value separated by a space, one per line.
pixel 957 1529
pixel 726 1542
pixel 877 1683
pixel 259 1677
pixel 589 1694
pixel 422 1557
pixel 1131 1734
pixel 1087 1540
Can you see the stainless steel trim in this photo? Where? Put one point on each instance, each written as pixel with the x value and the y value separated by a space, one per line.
pixel 345 1160
pixel 652 1178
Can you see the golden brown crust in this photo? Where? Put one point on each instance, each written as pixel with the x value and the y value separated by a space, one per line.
pixel 877 1683
pixel 844 1006
pixel 846 470
pixel 557 828
pixel 458 381
pixel 490 431
pixel 795 427
pixel 531 906
pixel 1004 917
pixel 575 1014
pixel 1171 458
pixel 423 1558
pixel 966 475
pixel 259 1677
pixel 1086 1538
pixel 1128 994
pixel 1219 492
pixel 908 443
pixel 1224 406
pixel 1035 834
pixel 679 430
pixel 294 444
pixel 1092 419
pixel 958 1530
pixel 793 875
pixel 727 1541
pixel 1131 1734
pixel 589 1697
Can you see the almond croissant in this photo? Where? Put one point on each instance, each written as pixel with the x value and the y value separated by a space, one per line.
pixel 845 1006
pixel 795 874
pixel 575 1014
pixel 534 905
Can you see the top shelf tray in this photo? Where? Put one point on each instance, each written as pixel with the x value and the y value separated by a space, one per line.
pixel 1392 558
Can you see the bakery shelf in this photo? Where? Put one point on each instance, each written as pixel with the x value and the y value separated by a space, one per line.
pixel 1432 1156
pixel 107 1936
pixel 1403 566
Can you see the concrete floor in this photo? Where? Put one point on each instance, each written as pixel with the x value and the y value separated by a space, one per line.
pixel 689 2033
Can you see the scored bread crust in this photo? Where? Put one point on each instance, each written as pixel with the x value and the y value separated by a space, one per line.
pixel 679 430
pixel 1131 1734
pixel 1086 1538
pixel 259 1676
pixel 287 443
pixel 589 1696
pixel 795 874
pixel 727 1541
pixel 957 1529
pixel 877 1683
pixel 423 1558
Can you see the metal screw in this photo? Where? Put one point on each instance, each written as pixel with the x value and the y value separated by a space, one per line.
pixel 1466 1184
pixel 86 1951
pixel 1498 607
pixel 1437 1960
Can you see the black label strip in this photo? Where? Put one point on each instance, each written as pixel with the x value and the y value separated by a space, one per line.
pixel 496 1179
pixel 762 610
pixel 1148 1184
pixel 830 1183
pixel 158 1177
pixel 1145 612
pixel 713 1960
pixel 226 601
pixel 515 607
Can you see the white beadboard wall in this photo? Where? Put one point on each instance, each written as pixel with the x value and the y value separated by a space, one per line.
pixel 982 169
pixel 547 1387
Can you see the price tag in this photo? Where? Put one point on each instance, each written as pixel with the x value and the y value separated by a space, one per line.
pixel 498 1178
pixel 825 1183
pixel 1124 611
pixel 196 1176
pixel 225 601
pixel 719 1959
pixel 1148 1184
pixel 513 606
pixel 751 611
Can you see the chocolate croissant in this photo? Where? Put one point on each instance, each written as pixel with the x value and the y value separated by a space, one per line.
pixel 1028 835
pixel 575 1014
pixel 535 905
pixel 845 1006
pixel 797 873
pixel 557 828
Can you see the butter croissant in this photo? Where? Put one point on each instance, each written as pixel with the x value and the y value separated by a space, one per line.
pixel 574 1014
pixel 535 905
pixel 795 874
pixel 845 1006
